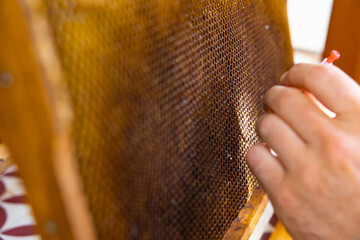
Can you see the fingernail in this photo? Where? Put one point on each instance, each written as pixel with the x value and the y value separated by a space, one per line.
pixel 283 77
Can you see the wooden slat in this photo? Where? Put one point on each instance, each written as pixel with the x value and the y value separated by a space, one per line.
pixel 245 223
pixel 35 120
pixel 344 36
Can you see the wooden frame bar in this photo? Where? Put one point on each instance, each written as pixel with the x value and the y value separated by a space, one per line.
pixel 35 122
pixel 244 225
pixel 344 36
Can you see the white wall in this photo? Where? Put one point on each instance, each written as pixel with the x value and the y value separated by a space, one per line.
pixel 309 23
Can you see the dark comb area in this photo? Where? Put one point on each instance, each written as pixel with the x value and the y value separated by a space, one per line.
pixel 166 94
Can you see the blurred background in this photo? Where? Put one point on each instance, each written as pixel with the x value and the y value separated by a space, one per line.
pixel 309 23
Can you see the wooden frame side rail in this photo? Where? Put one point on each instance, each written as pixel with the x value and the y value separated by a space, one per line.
pixel 35 122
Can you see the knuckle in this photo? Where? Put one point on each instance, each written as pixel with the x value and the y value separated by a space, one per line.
pixel 321 133
pixel 293 72
pixel 288 199
pixel 338 145
pixel 325 71
pixel 324 134
pixel 318 73
pixel 340 156
pixel 356 104
pixel 309 176
pixel 277 96
pixel 265 124
pixel 271 93
pixel 297 66
pixel 252 155
pixel 285 96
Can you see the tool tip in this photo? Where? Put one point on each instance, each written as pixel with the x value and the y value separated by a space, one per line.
pixel 334 55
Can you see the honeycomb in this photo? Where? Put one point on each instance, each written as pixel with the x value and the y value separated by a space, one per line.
pixel 165 95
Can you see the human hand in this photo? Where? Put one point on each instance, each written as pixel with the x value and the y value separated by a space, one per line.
pixel 314 183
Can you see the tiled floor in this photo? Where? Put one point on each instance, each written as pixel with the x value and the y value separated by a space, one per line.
pixel 16 221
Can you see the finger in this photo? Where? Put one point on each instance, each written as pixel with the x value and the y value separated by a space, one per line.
pixel 266 168
pixel 281 138
pixel 297 110
pixel 336 90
